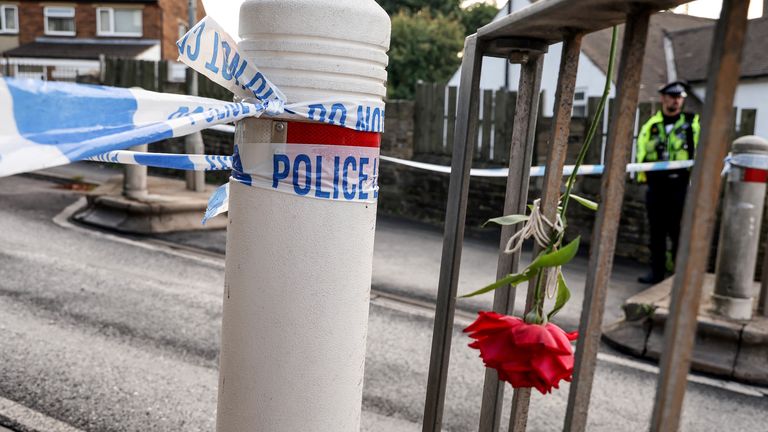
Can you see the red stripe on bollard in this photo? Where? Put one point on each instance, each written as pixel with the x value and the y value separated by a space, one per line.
pixel 752 175
pixel 317 133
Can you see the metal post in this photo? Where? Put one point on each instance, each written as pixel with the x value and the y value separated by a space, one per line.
pixel 740 232
pixel 553 178
pixel 103 68
pixel 762 301
pixel 465 140
pixel 699 215
pixel 135 178
pixel 193 143
pixel 607 224
pixel 520 155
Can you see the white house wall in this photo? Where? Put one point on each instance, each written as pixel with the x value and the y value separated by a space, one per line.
pixel 589 77
pixel 752 94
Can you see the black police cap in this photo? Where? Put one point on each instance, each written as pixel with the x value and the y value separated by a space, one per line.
pixel 674 88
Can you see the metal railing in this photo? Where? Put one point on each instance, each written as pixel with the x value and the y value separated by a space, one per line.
pixel 523 37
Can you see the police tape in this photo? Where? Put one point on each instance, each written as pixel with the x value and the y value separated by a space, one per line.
pixel 189 162
pixel 538 171
pixel 45 124
pixel 281 160
pixel 746 160
pixel 208 49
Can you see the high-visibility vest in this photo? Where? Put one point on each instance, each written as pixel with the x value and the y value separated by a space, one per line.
pixel 654 144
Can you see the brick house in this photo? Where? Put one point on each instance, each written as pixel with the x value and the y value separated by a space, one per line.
pixel 57 39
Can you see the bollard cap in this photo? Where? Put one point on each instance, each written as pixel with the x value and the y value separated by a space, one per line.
pixel 750 144
pixel 318 49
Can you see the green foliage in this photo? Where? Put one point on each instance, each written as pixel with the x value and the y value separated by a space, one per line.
pixel 585 202
pixel 557 258
pixel 545 260
pixel 563 295
pixel 424 46
pixel 508 220
pixel 476 16
pixel 445 7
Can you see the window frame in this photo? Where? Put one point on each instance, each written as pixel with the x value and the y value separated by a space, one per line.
pixel 3 24
pixel 581 103
pixel 112 32
pixel 50 32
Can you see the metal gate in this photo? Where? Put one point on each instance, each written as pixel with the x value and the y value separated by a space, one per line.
pixel 523 37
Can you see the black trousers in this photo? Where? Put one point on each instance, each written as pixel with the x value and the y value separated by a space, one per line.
pixel 665 200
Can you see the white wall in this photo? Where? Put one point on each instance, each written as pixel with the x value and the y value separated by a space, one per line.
pixel 751 94
pixel 589 77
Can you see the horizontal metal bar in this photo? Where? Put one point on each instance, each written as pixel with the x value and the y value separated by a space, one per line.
pixel 553 20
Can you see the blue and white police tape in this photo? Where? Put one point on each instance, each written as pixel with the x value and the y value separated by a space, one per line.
pixel 46 124
pixel 343 189
pixel 189 162
pixel 745 160
pixel 538 171
pixel 218 203
pixel 208 49
pixel 219 162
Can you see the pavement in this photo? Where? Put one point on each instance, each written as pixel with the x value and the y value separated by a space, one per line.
pixel 150 342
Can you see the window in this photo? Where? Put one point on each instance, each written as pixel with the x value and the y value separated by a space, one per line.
pixel 59 21
pixel 9 19
pixel 118 22
pixel 580 103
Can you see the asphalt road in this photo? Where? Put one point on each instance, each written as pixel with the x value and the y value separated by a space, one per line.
pixel 106 334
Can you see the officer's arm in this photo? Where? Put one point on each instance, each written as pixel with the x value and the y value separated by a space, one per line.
pixel 641 148
pixel 642 143
pixel 696 130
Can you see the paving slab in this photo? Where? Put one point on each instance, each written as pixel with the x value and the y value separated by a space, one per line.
pixel 724 347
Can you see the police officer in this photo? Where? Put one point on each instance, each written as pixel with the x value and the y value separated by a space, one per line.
pixel 670 135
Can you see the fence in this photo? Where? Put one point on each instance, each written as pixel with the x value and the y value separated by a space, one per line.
pixel 48 70
pixel 155 76
pixel 435 119
pixel 524 37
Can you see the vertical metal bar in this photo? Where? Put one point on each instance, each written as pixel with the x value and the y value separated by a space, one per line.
pixel 465 139
pixel 520 155
pixel 699 215
pixel 553 179
pixel 762 301
pixel 608 215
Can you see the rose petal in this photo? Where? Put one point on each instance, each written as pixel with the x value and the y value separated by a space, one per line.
pixel 532 335
pixel 491 322
pixel 560 337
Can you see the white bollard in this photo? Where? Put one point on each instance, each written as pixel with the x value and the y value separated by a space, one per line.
pixel 740 232
pixel 298 268
pixel 135 178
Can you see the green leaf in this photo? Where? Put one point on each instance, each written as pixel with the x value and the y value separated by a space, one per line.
pixel 585 202
pixel 510 279
pixel 508 220
pixel 563 295
pixel 558 257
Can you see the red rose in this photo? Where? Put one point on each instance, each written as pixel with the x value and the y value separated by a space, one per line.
pixel 525 355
